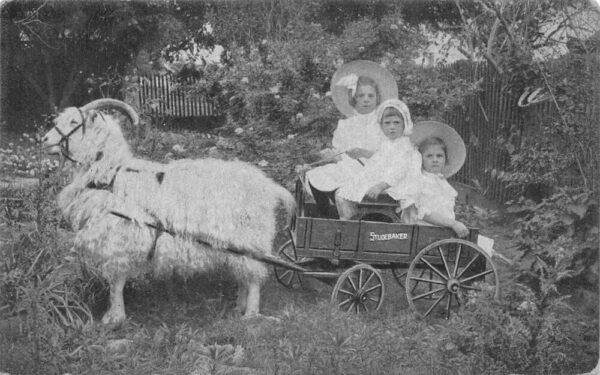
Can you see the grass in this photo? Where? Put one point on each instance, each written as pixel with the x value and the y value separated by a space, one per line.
pixel 178 326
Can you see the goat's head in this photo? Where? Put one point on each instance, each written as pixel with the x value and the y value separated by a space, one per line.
pixel 77 131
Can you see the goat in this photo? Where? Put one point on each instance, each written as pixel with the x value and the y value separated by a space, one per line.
pixel 182 216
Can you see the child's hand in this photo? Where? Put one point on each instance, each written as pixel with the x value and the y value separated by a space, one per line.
pixel 302 168
pixel 327 153
pixel 375 190
pixel 356 153
pixel 460 229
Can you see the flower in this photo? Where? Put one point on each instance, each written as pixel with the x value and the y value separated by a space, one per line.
pixel 245 80
pixel 263 163
pixel 238 131
pixel 178 148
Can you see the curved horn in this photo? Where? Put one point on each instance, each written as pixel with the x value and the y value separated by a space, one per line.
pixel 116 104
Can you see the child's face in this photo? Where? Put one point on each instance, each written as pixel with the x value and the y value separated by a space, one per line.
pixel 366 99
pixel 434 159
pixel 392 126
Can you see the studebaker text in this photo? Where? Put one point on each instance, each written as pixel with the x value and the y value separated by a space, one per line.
pixel 387 236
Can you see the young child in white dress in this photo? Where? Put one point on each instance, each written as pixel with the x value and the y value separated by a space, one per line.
pixel 396 160
pixel 429 199
pixel 357 89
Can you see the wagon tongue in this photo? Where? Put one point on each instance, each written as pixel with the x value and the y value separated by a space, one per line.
pixel 269 259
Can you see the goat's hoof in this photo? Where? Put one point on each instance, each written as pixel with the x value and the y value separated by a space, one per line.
pixel 113 318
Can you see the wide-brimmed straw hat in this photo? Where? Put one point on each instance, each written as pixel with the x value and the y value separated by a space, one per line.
pixel 345 77
pixel 455 146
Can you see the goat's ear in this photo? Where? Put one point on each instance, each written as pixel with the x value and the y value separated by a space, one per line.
pixel 92 115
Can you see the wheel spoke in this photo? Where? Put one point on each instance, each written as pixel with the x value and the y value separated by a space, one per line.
pixel 434 269
pixel 360 278
pixel 457 300
pixel 364 305
pixel 444 260
pixel 434 305
pixel 427 294
pixel 289 257
pixel 352 282
pixel 285 274
pixel 344 302
pixel 470 288
pixel 468 265
pixel 374 300
pixel 458 253
pixel 351 306
pixel 415 286
pixel 368 279
pixel 429 280
pixel 399 278
pixel 378 286
pixel 477 276
pixel 347 292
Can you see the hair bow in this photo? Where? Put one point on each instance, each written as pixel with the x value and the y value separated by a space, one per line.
pixel 350 81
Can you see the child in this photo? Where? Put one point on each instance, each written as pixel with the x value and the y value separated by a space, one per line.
pixel 396 160
pixel 429 199
pixel 357 88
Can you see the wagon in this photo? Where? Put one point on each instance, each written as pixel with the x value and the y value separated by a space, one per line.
pixel 438 271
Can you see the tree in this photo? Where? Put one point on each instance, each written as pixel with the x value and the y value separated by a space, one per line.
pixel 61 48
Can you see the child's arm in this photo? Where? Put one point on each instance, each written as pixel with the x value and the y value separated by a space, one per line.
pixel 443 221
pixel 356 153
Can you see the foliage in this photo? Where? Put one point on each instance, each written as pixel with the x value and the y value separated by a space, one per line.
pixel 558 238
pixel 523 333
pixel 274 92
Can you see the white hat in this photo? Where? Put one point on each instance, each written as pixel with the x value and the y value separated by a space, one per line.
pixel 455 146
pixel 343 83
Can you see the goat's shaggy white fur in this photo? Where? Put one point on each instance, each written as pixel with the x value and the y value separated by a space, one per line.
pixel 224 204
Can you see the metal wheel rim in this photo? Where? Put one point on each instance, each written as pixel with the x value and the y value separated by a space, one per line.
pixel 287 277
pixel 451 282
pixel 359 287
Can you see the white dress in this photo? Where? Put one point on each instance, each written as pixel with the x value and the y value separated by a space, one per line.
pixel 359 131
pixel 395 162
pixel 426 194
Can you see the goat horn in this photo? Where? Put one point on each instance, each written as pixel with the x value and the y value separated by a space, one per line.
pixel 116 104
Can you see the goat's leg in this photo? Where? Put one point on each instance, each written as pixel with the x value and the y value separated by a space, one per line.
pixel 253 299
pixel 116 311
pixel 242 298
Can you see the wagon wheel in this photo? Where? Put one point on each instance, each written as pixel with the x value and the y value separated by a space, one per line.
pixel 456 267
pixel 359 288
pixel 288 277
pixel 400 276
pixel 399 273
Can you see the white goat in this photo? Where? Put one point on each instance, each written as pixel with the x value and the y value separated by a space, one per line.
pixel 206 207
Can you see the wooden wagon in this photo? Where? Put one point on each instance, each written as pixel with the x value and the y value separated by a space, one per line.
pixel 437 270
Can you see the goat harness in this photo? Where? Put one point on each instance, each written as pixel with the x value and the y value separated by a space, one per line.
pixel 64 140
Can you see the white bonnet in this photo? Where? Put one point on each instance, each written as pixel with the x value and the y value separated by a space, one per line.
pixel 402 108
